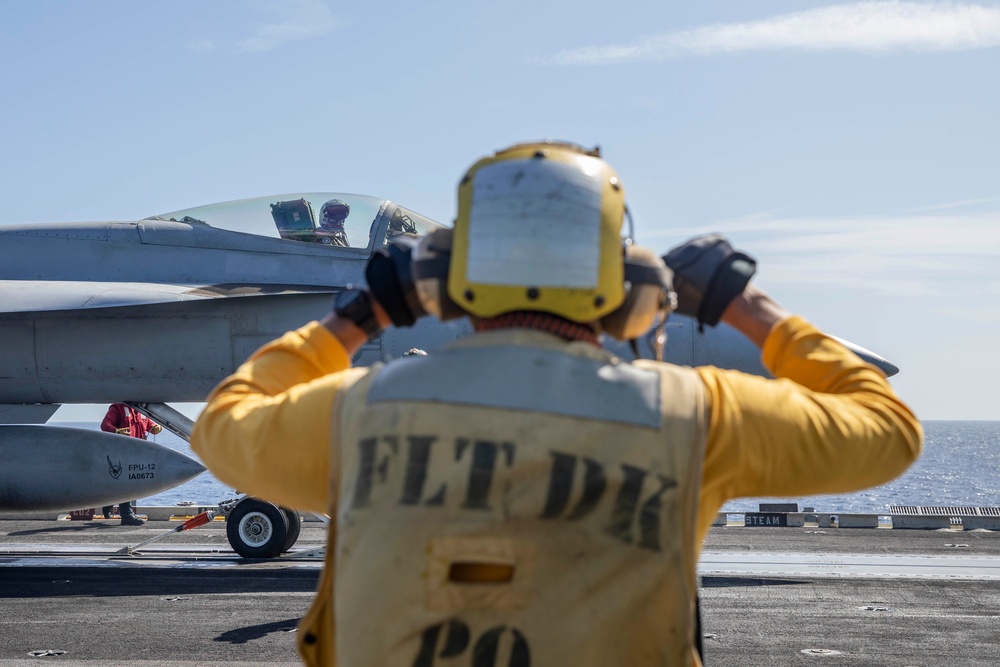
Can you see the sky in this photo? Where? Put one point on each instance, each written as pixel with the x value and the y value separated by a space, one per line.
pixel 850 147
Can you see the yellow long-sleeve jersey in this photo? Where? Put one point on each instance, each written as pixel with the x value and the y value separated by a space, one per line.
pixel 829 423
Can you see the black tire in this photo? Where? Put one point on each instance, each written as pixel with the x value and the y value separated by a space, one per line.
pixel 294 528
pixel 256 529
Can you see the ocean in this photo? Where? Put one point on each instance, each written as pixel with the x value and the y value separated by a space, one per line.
pixel 960 466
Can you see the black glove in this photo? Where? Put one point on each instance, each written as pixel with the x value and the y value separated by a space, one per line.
pixel 708 275
pixel 390 281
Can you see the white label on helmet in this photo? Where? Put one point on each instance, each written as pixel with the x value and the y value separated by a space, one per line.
pixel 535 222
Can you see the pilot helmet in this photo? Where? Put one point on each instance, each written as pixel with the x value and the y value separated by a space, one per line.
pixel 333 214
pixel 414 352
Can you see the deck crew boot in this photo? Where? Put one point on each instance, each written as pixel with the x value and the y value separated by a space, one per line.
pixel 106 511
pixel 128 515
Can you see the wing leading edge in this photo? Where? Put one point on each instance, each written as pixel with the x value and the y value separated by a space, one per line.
pixel 20 296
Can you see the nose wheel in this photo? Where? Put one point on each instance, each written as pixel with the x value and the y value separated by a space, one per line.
pixel 259 529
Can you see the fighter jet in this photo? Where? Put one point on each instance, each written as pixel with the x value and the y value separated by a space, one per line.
pixel 159 310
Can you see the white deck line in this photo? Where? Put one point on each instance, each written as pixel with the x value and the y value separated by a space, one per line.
pixel 788 564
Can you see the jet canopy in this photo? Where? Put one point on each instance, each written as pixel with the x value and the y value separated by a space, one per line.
pixel 360 222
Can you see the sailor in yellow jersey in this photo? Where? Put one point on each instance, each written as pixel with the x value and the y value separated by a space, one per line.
pixel 523 497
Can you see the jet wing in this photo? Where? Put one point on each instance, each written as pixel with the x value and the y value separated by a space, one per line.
pixel 19 296
pixel 27 413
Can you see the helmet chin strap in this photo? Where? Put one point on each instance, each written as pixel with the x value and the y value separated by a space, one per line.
pixel 658 336
pixel 658 333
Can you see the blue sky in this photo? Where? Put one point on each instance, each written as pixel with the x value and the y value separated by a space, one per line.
pixel 851 147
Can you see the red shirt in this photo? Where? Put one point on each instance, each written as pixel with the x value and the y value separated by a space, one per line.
pixel 122 416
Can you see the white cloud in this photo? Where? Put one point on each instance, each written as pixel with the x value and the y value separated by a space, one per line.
pixel 921 255
pixel 290 21
pixel 200 45
pixel 298 20
pixel 878 26
pixel 957 204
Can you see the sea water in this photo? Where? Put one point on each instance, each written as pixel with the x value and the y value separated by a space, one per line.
pixel 960 466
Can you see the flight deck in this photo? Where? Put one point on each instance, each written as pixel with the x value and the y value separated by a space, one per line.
pixel 770 596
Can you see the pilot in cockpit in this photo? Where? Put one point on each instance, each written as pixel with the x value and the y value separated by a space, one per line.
pixel 331 222
pixel 400 224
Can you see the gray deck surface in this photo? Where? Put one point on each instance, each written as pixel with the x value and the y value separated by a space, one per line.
pixel 844 596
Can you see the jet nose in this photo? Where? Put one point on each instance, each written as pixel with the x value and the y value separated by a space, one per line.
pixel 870 357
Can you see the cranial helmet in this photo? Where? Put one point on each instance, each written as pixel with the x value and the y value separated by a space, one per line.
pixel 333 213
pixel 414 352
pixel 539 229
